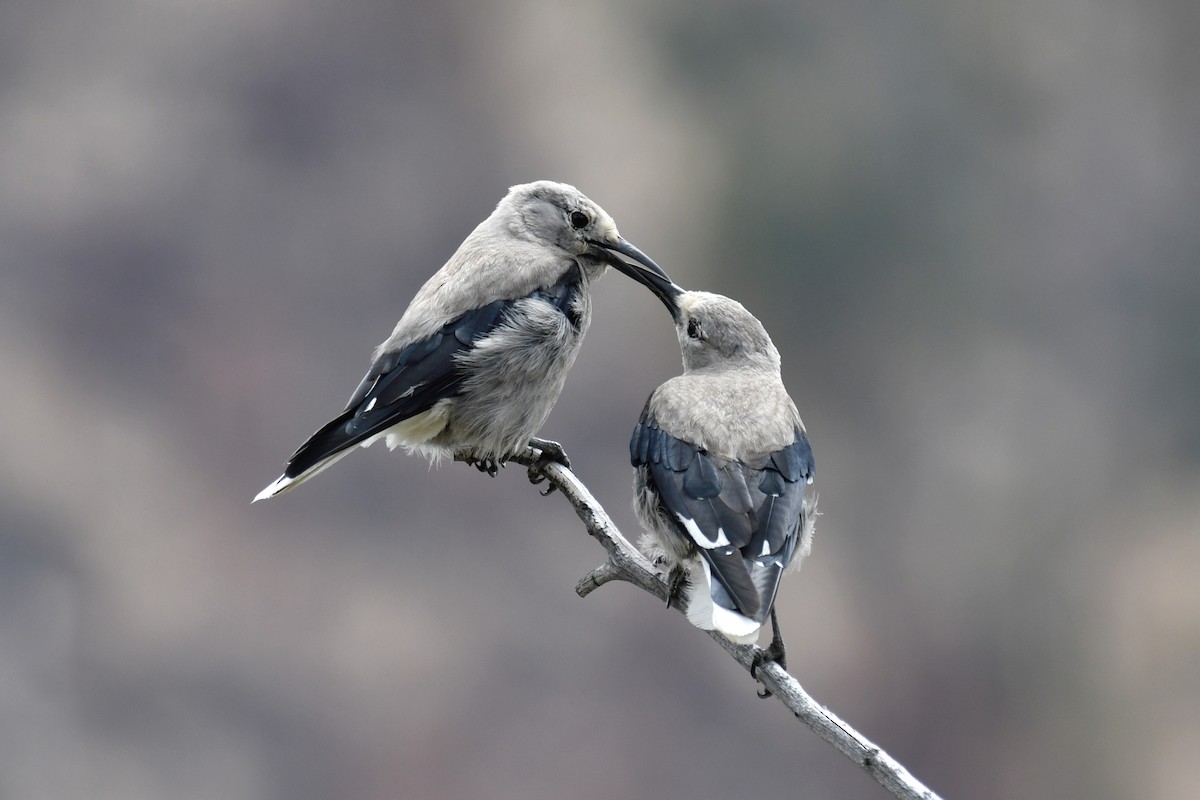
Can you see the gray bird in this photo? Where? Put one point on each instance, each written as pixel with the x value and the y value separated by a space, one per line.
pixel 477 361
pixel 722 468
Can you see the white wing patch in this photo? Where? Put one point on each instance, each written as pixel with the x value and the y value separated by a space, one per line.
pixel 698 535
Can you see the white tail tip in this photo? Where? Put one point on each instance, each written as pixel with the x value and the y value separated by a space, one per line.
pixel 707 615
pixel 280 484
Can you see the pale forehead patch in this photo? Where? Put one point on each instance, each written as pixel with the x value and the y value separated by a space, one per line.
pixel 568 196
pixel 690 302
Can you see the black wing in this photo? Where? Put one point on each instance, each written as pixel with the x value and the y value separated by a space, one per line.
pixel 745 518
pixel 406 382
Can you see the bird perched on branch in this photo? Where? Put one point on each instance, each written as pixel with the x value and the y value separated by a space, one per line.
pixel 722 468
pixel 478 360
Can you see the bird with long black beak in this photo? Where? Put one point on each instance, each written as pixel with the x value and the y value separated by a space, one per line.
pixel 722 469
pixel 478 360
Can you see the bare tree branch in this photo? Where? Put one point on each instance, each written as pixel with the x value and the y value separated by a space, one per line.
pixel 626 563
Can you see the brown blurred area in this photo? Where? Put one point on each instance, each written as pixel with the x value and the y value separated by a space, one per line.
pixel 971 230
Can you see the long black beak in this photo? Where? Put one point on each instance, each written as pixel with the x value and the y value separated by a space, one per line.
pixel 644 271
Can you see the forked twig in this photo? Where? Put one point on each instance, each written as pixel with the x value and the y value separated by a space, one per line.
pixel 626 563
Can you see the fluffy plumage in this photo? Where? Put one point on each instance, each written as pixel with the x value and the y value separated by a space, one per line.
pixel 723 465
pixel 480 356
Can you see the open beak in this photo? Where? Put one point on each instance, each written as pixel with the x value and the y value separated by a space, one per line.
pixel 644 271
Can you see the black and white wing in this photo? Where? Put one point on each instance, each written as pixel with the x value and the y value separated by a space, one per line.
pixel 404 383
pixel 745 518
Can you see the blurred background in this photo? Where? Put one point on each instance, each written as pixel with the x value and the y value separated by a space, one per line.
pixel 971 230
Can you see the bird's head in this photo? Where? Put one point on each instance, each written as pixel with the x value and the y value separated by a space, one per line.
pixel 712 328
pixel 559 215
pixel 716 330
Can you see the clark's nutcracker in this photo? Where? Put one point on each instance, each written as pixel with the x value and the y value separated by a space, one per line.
pixel 480 356
pixel 722 468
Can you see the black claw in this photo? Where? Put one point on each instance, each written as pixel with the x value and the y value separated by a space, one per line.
pixel 552 452
pixel 489 464
pixel 776 651
pixel 548 453
pixel 676 581
pixel 537 476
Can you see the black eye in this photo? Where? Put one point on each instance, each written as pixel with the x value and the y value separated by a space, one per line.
pixel 579 219
pixel 693 329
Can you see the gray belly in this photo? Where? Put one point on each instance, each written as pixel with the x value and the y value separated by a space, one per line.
pixel 516 374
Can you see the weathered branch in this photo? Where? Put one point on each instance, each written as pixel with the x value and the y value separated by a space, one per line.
pixel 626 563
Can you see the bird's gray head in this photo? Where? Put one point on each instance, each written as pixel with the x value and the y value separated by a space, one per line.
pixel 560 216
pixel 712 328
pixel 716 330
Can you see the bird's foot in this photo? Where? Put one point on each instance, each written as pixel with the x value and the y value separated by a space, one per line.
pixel 548 453
pixel 675 571
pixel 776 651
pixel 677 579
pixel 489 464
pixel 552 452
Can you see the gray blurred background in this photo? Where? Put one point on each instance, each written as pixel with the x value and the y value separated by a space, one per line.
pixel 970 228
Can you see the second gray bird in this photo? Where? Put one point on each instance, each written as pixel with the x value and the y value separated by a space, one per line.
pixel 723 467
pixel 479 358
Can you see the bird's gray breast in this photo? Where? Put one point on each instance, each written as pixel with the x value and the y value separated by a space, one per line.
pixel 514 375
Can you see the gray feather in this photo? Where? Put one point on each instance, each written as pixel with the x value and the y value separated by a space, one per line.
pixel 480 356
pixel 722 460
